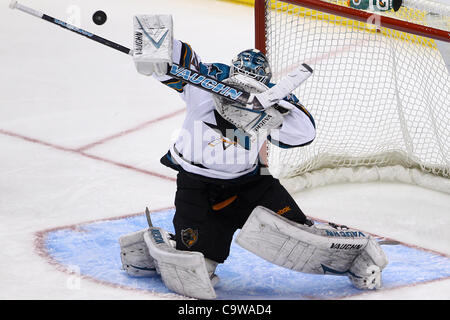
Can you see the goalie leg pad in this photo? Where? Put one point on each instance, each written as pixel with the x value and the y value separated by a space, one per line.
pixel 322 249
pixel 365 272
pixel 184 272
pixel 136 260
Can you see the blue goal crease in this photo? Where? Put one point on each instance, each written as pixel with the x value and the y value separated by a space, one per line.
pixel 96 253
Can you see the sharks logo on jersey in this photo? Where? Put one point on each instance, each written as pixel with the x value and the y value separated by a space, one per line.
pixel 230 135
pixel 223 150
pixel 223 139
pixel 214 71
pixel 218 71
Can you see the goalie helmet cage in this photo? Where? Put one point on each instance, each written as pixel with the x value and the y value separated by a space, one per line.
pixel 380 92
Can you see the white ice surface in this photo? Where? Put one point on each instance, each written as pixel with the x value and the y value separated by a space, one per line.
pixel 61 89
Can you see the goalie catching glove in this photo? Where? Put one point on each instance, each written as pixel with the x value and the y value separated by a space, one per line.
pixel 284 87
pixel 153 43
pixel 254 65
pixel 250 72
pixel 255 124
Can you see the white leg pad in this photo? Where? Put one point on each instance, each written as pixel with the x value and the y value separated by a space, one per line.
pixel 136 260
pixel 309 249
pixel 365 272
pixel 184 272
pixel 313 249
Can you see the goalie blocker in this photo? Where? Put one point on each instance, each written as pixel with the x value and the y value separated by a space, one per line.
pixel 153 40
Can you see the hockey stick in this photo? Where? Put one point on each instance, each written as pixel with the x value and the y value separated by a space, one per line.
pixel 388 242
pixel 15 5
pixel 231 93
pixel 202 81
pixel 147 215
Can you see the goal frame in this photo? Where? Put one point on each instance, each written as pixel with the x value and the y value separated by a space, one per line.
pixel 397 173
pixel 346 12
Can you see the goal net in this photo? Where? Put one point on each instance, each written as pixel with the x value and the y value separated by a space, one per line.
pixel 380 91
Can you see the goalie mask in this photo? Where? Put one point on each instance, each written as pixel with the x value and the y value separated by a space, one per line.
pixel 252 63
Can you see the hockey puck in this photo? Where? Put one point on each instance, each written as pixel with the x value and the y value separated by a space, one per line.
pixel 99 17
pixel 396 4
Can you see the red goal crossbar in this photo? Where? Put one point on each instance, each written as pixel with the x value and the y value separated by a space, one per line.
pixel 347 12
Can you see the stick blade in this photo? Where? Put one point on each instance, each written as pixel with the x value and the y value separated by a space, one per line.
pixel 149 220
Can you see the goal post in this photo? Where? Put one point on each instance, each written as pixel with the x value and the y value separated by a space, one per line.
pixel 380 92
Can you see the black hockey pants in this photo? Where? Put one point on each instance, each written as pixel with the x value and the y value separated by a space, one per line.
pixel 209 211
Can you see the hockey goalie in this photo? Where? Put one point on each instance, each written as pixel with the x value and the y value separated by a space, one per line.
pixel 222 186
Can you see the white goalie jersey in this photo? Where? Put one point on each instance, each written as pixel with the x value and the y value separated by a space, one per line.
pixel 211 146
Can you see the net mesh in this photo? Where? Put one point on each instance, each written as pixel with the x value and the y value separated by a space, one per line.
pixel 379 97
